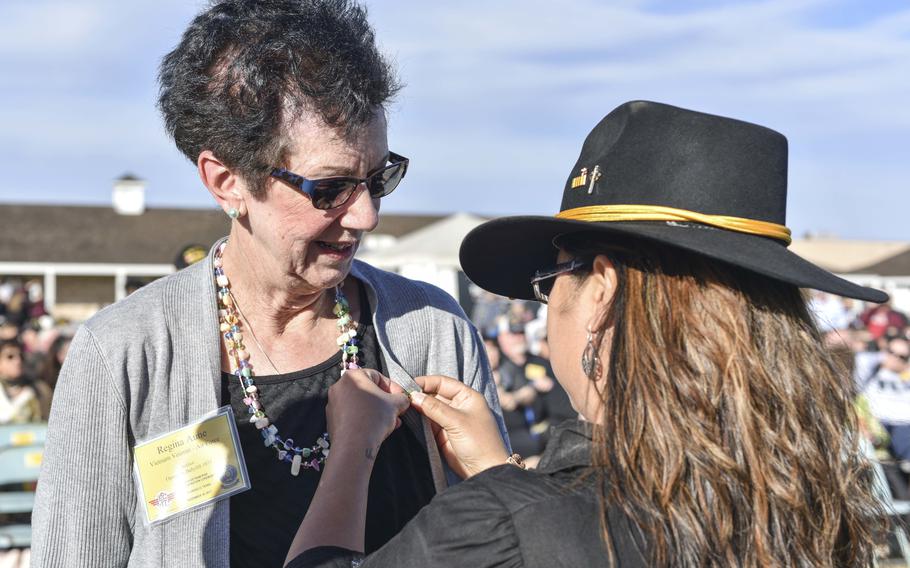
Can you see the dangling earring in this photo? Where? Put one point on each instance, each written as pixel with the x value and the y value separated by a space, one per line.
pixel 233 213
pixel 590 363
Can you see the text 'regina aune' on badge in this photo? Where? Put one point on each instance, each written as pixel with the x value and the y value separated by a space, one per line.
pixel 189 467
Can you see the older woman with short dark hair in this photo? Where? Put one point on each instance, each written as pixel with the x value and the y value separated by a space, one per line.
pixel 280 104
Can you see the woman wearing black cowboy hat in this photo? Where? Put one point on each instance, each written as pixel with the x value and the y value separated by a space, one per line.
pixel 717 430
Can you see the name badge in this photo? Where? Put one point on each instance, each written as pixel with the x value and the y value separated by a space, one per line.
pixel 189 467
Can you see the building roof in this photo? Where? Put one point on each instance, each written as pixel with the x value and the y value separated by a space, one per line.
pixel 54 233
pixel 897 265
pixel 82 234
pixel 848 256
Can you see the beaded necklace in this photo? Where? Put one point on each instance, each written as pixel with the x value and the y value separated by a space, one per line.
pixel 312 457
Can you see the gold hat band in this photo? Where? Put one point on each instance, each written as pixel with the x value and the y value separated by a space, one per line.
pixel 607 213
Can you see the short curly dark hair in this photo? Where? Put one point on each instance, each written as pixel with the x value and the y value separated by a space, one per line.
pixel 245 69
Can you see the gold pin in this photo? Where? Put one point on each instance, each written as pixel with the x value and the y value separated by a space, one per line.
pixel 595 175
pixel 580 180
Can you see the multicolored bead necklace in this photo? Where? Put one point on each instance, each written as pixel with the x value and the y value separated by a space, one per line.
pixel 312 457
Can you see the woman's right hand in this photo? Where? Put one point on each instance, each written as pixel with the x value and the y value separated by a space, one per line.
pixel 465 428
pixel 363 409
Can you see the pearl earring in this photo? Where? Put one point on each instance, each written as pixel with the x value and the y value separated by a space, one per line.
pixel 233 213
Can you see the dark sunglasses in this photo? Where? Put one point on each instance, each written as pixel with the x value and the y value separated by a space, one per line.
pixel 332 192
pixel 901 356
pixel 543 280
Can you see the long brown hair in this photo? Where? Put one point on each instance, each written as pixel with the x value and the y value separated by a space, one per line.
pixel 728 429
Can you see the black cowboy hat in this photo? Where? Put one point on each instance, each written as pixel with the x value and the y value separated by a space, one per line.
pixel 704 183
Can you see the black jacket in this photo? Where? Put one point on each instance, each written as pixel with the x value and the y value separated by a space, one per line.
pixel 505 516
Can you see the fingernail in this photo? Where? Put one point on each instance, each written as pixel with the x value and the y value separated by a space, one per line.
pixel 417 397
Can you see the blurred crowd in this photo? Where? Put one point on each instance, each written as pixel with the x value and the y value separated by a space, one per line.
pixel 32 348
pixel 871 342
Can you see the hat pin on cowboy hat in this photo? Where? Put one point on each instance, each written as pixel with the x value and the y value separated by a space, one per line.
pixel 708 184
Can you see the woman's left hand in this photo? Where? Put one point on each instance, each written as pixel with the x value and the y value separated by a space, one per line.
pixel 363 408
pixel 464 426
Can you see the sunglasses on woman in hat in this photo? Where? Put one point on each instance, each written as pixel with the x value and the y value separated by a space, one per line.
pixel 715 429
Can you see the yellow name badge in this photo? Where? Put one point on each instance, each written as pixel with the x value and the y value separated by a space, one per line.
pixel 189 467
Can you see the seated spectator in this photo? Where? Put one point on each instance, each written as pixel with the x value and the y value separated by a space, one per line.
pixel 513 412
pixel 18 399
pixel 487 310
pixel 35 295
pixel 50 370
pixel 8 329
pixel 555 406
pixel 879 318
pixel 872 429
pixel 829 312
pixel 888 393
pixel 17 308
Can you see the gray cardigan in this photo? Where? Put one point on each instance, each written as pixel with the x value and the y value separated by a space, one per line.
pixel 151 363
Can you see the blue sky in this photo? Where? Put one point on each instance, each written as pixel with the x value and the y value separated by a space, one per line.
pixel 499 97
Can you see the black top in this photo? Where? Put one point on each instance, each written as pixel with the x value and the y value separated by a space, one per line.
pixel 265 519
pixel 548 517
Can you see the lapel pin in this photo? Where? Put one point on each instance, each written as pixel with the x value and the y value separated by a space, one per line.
pixel 595 175
pixel 580 180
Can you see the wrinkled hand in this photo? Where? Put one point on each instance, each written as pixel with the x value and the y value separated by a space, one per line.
pixel 464 426
pixel 364 407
